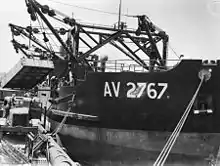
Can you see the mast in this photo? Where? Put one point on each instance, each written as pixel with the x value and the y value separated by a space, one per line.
pixel 119 15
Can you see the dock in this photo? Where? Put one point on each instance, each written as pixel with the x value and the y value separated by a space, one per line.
pixel 24 140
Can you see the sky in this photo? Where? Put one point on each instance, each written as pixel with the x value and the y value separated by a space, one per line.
pixel 193 26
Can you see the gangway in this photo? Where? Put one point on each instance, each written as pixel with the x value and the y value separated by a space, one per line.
pixel 27 73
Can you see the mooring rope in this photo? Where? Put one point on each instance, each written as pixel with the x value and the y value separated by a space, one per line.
pixel 172 139
pixel 64 119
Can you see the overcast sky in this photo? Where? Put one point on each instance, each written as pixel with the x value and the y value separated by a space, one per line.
pixel 193 25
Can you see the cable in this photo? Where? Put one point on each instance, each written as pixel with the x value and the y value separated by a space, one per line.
pixel 57 130
pixel 173 51
pixel 42 31
pixel 85 8
pixel 172 139
pixel 51 48
pixel 91 9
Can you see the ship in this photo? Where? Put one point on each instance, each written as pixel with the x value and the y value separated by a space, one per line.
pixel 123 112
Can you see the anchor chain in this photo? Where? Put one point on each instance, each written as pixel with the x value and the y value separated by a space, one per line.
pixel 204 75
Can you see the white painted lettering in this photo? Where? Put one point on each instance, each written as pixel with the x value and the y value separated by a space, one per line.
pixel 136 90
pixel 116 89
pixel 107 90
pixel 142 87
pixel 130 93
pixel 152 93
pixel 164 85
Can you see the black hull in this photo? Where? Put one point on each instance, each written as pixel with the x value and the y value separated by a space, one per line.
pixel 118 147
pixel 134 130
pixel 143 113
pixel 99 154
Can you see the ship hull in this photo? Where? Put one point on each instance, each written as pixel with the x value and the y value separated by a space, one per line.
pixel 134 147
pixel 128 117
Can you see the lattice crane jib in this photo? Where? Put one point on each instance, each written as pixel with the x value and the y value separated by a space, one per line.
pixel 73 34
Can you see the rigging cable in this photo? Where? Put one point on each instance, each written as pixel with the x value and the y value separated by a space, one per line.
pixel 172 139
pixel 42 28
pixel 92 9
pixel 51 48
pixel 85 8
pixel 174 51
pixel 29 44
pixel 57 130
pixel 42 32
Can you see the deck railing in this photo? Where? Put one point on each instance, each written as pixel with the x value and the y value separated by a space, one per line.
pixel 125 65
